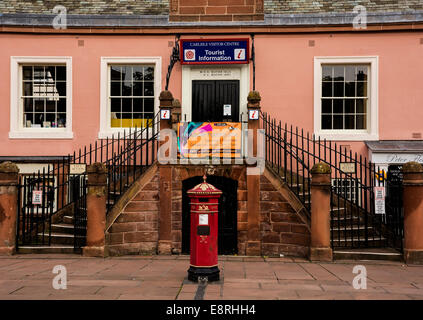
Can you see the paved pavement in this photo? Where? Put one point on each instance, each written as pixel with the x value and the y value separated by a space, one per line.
pixel 164 277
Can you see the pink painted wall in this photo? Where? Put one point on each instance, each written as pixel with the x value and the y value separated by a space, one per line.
pixel 284 77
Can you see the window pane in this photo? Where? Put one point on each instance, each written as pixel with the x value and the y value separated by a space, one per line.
pixel 338 106
pixel 148 73
pixel 126 73
pixel 361 105
pixel 39 73
pixel 28 104
pixel 138 89
pixel 349 122
pixel 27 89
pixel 137 105
pixel 38 118
pixel 61 120
pixel 61 88
pixel 50 117
pixel 362 72
pixel 39 105
pixel 327 89
pixel 338 73
pixel 51 73
pixel 127 88
pixel 115 73
pixel 349 105
pixel 361 122
pixel 61 105
pixel 327 73
pixel 115 104
pixel 115 88
pixel 60 73
pixel 137 72
pixel 338 122
pixel 127 105
pixel 326 105
pixel 361 89
pixel 326 122
pixel 349 73
pixel 350 89
pixel 50 106
pixel 27 72
pixel 338 89
pixel 148 105
pixel 28 119
pixel 148 88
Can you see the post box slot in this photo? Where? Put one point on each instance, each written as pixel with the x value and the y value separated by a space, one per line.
pixel 203 199
pixel 203 230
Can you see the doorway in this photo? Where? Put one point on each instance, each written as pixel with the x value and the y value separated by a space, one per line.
pixel 209 98
pixel 227 219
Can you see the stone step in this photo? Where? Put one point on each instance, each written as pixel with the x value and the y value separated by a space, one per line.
pixel 64 249
pixel 63 228
pixel 387 254
pixel 355 230
pixel 377 242
pixel 59 238
pixel 68 219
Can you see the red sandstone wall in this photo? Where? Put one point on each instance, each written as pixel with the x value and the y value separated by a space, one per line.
pixel 282 231
pixel 136 229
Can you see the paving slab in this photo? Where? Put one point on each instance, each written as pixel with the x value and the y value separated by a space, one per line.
pixel 30 277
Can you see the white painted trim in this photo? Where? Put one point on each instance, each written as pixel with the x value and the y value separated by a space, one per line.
pixel 105 130
pixel 189 74
pixel 17 131
pixel 372 133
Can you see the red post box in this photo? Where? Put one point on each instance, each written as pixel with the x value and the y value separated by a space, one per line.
pixel 204 202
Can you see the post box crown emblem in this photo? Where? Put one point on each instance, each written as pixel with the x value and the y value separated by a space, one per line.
pixel 204 188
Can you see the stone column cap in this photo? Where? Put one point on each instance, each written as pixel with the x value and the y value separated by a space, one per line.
pixel 166 99
pixel 8 167
pixel 254 99
pixel 321 168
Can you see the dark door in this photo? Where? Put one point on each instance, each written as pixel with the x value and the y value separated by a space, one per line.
pixel 228 206
pixel 209 97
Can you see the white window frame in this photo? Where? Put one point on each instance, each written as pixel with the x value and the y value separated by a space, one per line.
pixel 106 131
pixel 372 131
pixel 17 130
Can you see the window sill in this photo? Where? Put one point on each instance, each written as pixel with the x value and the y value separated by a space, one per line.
pixel 347 136
pixel 115 133
pixel 38 134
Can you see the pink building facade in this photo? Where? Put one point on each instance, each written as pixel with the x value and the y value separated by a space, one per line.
pixel 290 72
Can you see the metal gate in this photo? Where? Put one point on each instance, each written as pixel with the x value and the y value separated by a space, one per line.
pixel 43 196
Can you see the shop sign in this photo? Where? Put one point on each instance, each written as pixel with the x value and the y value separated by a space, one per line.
pixel 213 51
pixel 347 167
pixel 77 168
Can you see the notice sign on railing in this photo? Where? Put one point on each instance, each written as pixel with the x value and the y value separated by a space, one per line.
pixel 209 140
pixel 222 51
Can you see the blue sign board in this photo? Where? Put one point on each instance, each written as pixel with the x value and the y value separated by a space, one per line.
pixel 221 51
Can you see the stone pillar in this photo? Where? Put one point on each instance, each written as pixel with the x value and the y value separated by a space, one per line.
pixel 96 211
pixel 320 248
pixel 253 247
pixel 413 212
pixel 8 207
pixel 165 185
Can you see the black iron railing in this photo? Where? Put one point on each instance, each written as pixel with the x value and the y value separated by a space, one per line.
pixel 126 157
pixel 356 220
